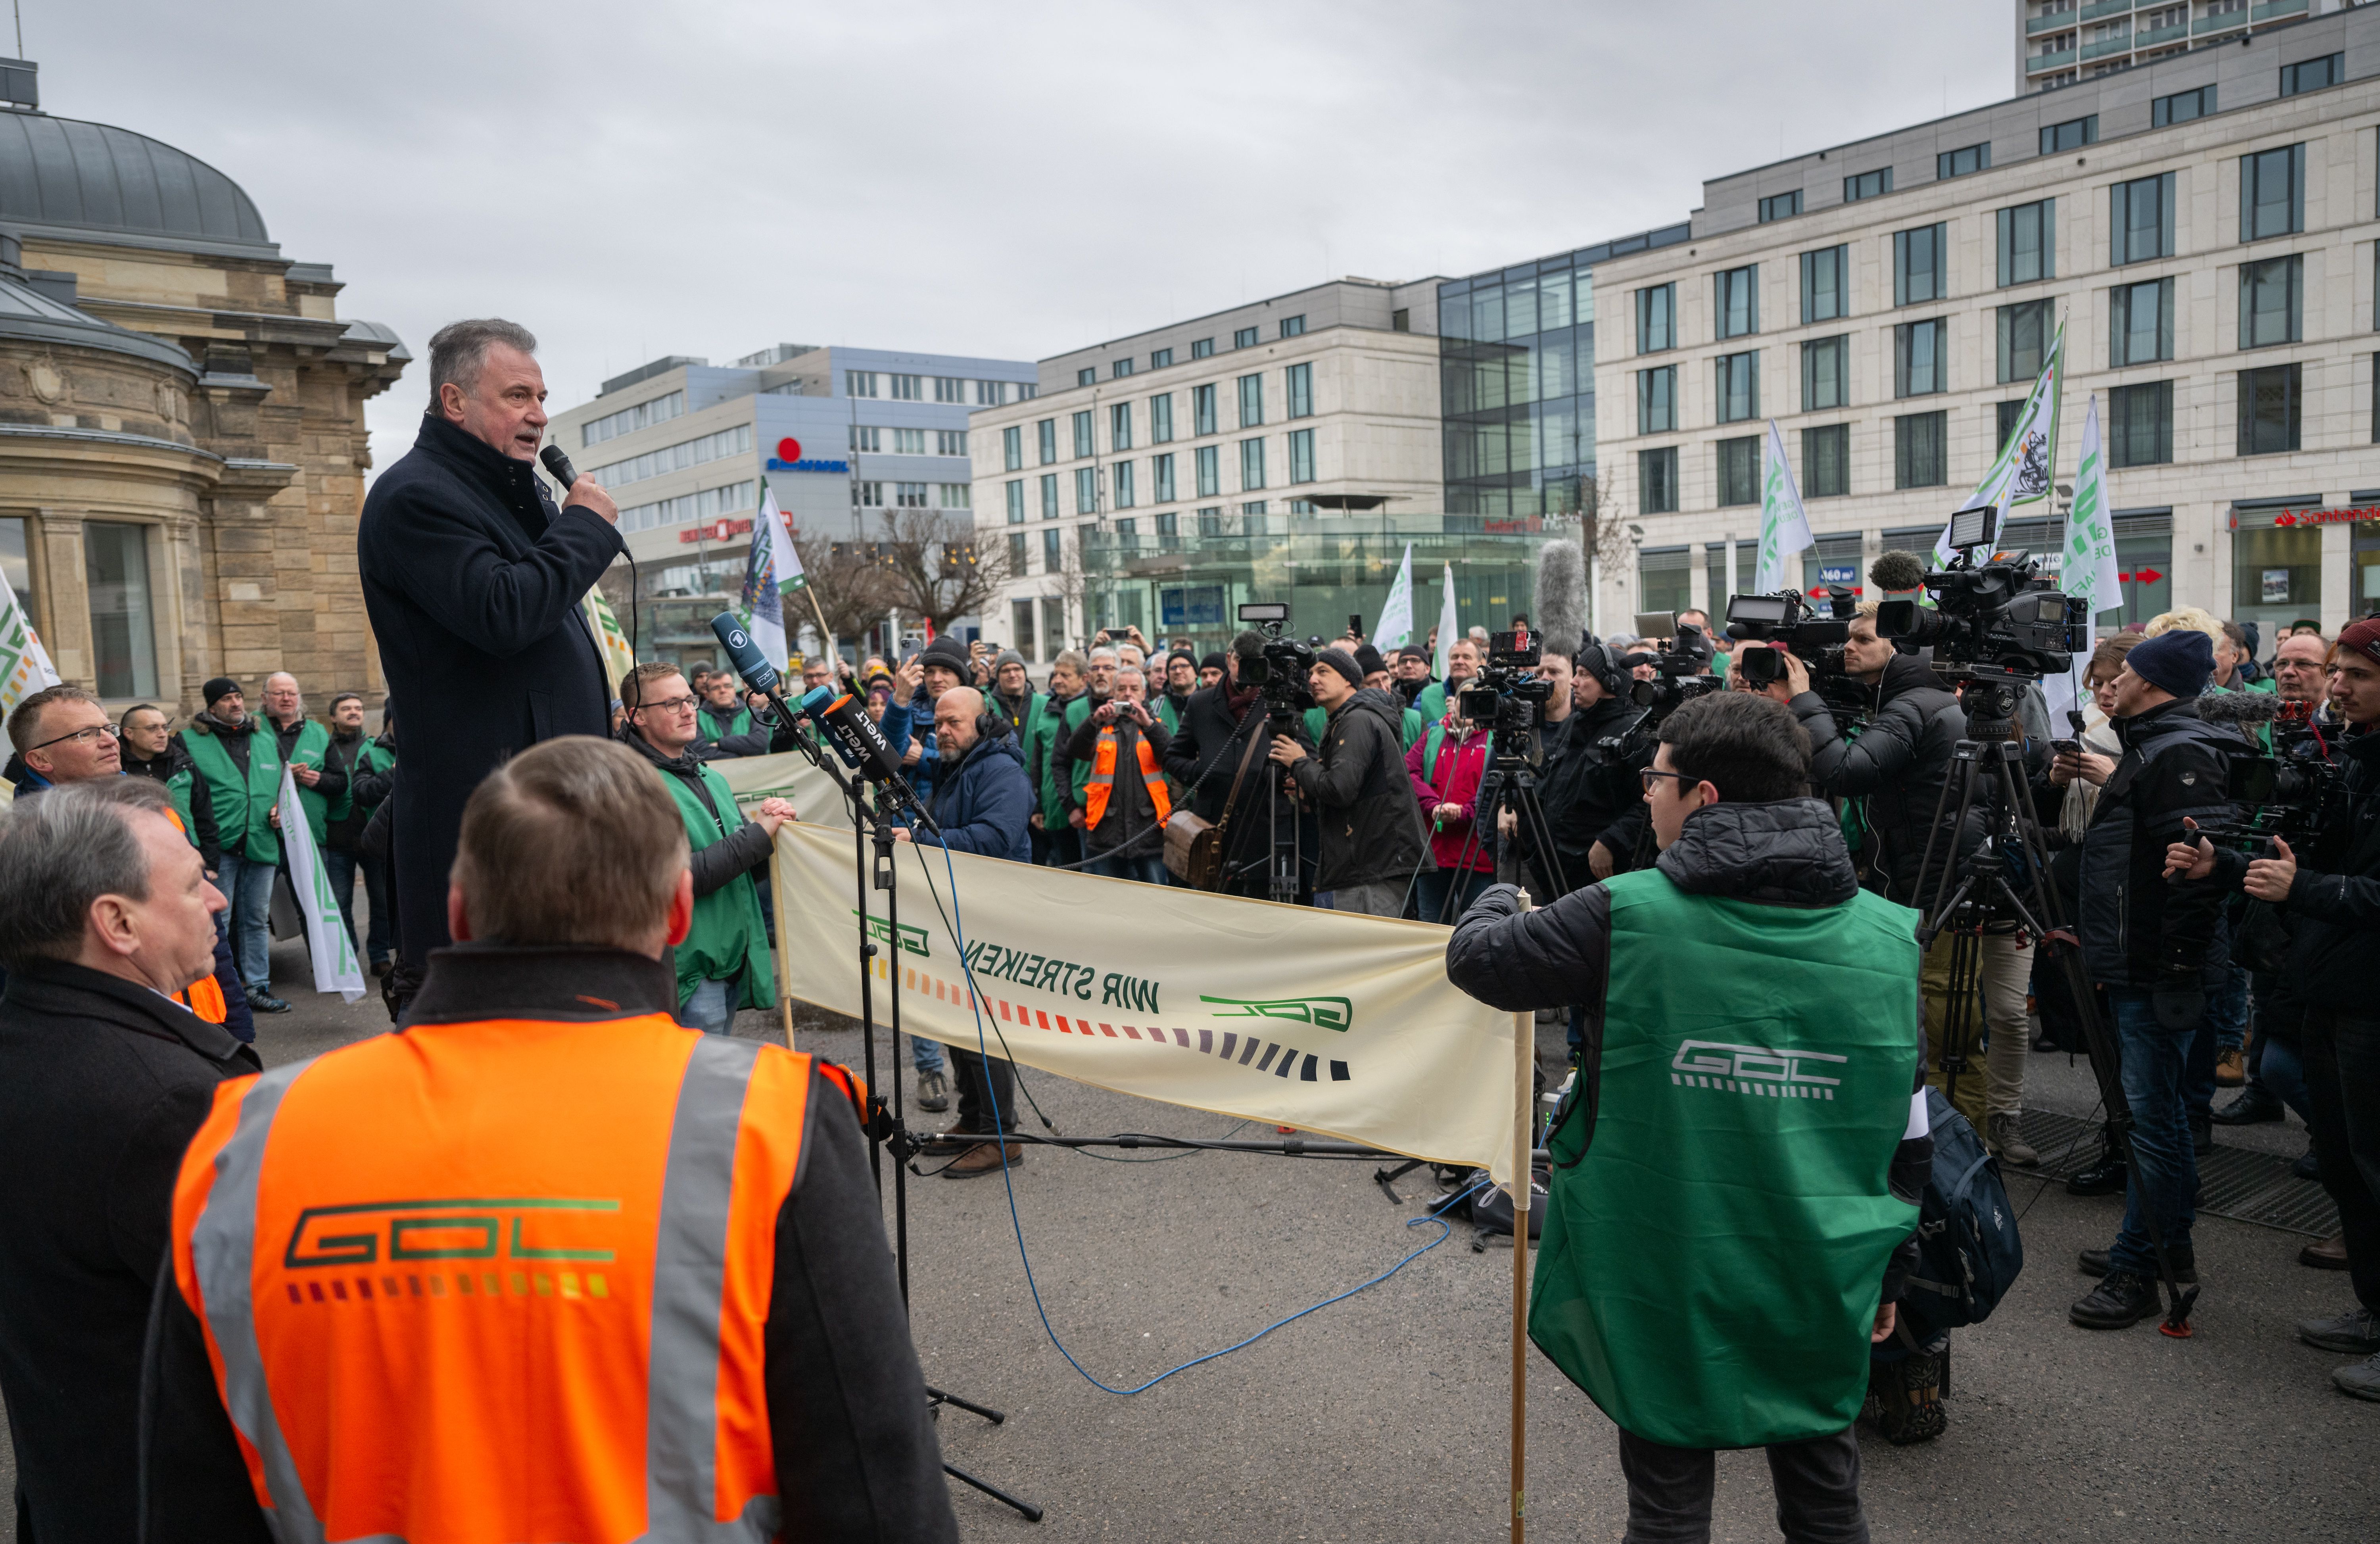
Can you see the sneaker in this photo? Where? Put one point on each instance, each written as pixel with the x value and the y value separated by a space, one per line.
pixel 2104 1178
pixel 984 1158
pixel 2120 1300
pixel 2231 1066
pixel 265 1003
pixel 2328 1255
pixel 2254 1105
pixel 933 1092
pixel 2012 1148
pixel 2363 1379
pixel 2355 1332
pixel 2093 1262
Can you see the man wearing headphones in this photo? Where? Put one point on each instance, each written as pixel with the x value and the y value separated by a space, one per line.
pixel 1593 799
pixel 983 804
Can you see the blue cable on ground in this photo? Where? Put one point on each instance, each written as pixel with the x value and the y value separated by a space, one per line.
pixel 1445 1229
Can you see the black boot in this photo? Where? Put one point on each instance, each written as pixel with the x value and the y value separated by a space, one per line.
pixel 2254 1104
pixel 2121 1299
pixel 2202 1133
pixel 2104 1178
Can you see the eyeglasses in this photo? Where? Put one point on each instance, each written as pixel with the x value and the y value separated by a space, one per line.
pixel 1649 773
pixel 81 737
pixel 674 705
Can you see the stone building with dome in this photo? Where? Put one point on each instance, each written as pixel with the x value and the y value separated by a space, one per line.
pixel 182 442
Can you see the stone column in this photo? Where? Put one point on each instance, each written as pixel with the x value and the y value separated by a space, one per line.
pixel 65 587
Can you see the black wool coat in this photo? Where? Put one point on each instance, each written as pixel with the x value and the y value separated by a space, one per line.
pixel 473 579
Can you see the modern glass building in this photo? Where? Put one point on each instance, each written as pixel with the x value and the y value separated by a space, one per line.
pixel 1516 371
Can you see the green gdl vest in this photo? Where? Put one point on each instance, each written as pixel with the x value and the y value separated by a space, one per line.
pixel 727 934
pixel 1711 1263
pixel 243 801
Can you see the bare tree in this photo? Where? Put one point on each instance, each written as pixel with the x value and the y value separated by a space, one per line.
pixel 938 569
pixel 853 587
pixel 1604 533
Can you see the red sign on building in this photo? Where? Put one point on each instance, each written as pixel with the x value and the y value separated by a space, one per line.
pixel 717 530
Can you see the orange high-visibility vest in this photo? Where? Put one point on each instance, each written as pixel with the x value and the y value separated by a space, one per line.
pixel 499 1281
pixel 204 996
pixel 1102 780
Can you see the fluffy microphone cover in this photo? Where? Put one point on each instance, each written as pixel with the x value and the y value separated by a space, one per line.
pixel 1560 606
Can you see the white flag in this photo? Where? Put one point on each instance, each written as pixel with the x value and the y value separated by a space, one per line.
pixel 2021 474
pixel 1449 630
pixel 2088 569
pixel 327 938
pixel 1395 630
pixel 1784 529
pixel 25 665
pixel 762 605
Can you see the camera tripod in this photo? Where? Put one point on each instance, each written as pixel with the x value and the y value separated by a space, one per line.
pixel 1284 861
pixel 1973 892
pixel 1509 785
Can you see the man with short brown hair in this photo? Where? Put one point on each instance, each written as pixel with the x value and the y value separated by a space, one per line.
pixel 62 735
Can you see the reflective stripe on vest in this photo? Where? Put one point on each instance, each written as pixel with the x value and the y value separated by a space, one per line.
pixel 1103 760
pixel 363 1400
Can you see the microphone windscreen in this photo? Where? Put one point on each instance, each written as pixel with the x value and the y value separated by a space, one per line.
pixel 1897 573
pixel 1559 603
pixel 2238 707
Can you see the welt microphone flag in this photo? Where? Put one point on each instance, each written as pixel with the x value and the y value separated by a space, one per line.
pixel 2022 472
pixel 1395 628
pixel 1784 529
pixel 2087 568
pixel 761 606
pixel 328 940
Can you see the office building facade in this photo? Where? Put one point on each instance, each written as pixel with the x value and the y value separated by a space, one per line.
pixel 2062 42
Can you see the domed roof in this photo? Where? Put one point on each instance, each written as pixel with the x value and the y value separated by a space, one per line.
pixel 66 177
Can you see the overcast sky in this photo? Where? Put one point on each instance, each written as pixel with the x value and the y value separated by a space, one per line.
pixel 710 178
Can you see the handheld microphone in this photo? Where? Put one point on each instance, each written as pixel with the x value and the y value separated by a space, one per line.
pixel 558 465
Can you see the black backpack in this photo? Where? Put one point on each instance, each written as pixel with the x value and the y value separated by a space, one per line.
pixel 1969 1254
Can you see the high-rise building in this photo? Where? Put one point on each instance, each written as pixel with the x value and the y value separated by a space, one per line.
pixel 2060 42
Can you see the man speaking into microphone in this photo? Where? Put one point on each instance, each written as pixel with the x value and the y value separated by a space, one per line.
pixel 473 579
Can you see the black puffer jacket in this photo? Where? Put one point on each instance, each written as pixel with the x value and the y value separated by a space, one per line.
pixel 2139 930
pixel 1370 824
pixel 1590 794
pixel 2333 910
pixel 1898 764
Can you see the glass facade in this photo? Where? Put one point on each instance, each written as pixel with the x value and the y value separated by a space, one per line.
pixel 1516 374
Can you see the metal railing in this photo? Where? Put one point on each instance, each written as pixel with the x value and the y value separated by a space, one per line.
pixel 2040 62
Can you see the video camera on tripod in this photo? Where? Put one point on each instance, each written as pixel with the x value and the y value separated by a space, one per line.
pixel 1281 671
pixel 1507 696
pixel 1787 617
pixel 1680 673
pixel 2295 792
pixel 1996 617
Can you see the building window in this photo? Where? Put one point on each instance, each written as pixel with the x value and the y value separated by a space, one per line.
pixel 2269 409
pixel 1046 432
pixel 1917 265
pixel 868 495
pixel 1293 326
pixel 627 420
pixel 1825 284
pixel 123 637
pixel 1739 470
pixel 1160 479
pixel 1656 400
pixel 2181 107
pixel 1124 488
pixel 2028 243
pixel 1017 549
pixel 1826 373
pixel 2072 134
pixel 1161 420
pixel 1400 319
pixel 1301 456
pixel 1739 386
pixel 1918 360
pixel 1120 426
pixel 866 437
pixel 2140 219
pixel 908 442
pixel 1867 185
pixel 1251 401
pixel 1781 206
pixel 1159 358
pixel 2023 338
pixel 1202 411
pixel 1054 549
pixel 950 442
pixel 2271 301
pixel 1016 502
pixel 1736 302
pixel 2140 323
pixel 1961 162
pixel 1917 446
pixel 1202 348
pixel 947 389
pixel 859 383
pixel 2272 193
pixel 1252 518
pixel 2140 425
pixel 1087 376
pixel 1210 520
pixel 955 496
pixel 1012 449
pixel 1656 318
pixel 909 495
pixel 991 393
pixel 1169 523
pixel 908 388
pixel 1120 369
pixel 1049 495
pixel 1020 617
pixel 1826 461
pixel 1656 480
pixel 1244 337
pixel 1083 443
pixel 1054 621
pixel 2312 75
pixel 1252 468
pixel 1086 491
pixel 2005 417
pixel 1209 464
pixel 1664 578
pixel 1299 380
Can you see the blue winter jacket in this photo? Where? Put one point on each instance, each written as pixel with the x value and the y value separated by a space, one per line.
pixel 984 802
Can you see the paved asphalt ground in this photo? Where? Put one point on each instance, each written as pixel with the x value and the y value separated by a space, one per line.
pixel 1384 1417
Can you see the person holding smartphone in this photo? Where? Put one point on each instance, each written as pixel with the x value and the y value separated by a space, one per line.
pixel 1124 799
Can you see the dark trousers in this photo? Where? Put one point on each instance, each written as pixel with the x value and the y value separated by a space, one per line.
pixel 340 869
pixel 379 930
pixel 2342 1084
pixel 984 1081
pixel 1064 846
pixel 2161 1072
pixel 1431 891
pixel 1817 1491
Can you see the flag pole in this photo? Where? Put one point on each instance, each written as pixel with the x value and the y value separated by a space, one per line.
pixel 1524 1090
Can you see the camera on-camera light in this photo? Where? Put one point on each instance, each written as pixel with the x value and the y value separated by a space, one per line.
pixel 1996 617
pixel 1281 672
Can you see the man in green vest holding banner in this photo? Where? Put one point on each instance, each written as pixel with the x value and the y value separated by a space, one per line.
pixel 306 746
pixel 1738 1164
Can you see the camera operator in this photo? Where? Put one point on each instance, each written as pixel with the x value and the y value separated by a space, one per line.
pixel 1590 791
pixel 1371 832
pixel 1716 1268
pixel 1217 756
pixel 2329 897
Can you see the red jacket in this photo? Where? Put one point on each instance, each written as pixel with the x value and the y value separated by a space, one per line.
pixel 1453 780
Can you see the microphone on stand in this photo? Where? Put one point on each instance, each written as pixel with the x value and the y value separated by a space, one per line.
pixel 855 738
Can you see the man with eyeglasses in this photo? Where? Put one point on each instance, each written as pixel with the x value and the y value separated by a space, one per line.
pixel 723 963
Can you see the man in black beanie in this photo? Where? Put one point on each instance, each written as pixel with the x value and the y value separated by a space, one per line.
pixel 1372 837
pixel 2150 943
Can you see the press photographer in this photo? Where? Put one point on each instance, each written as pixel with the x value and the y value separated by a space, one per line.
pixel 1684 1232
pixel 1372 841
pixel 2325 888
pixel 1219 757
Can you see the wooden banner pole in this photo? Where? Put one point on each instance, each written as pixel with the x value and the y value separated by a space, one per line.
pixel 1525 1097
pixel 776 904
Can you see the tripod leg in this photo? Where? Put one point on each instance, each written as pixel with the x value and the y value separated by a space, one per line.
pixel 942 1396
pixel 1032 1513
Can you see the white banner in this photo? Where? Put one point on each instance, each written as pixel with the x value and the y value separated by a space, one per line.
pixel 25 665
pixel 813 795
pixel 1336 1024
pixel 327 939
pixel 2088 570
pixel 1784 528
pixel 1395 630
pixel 2021 473
pixel 1449 630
